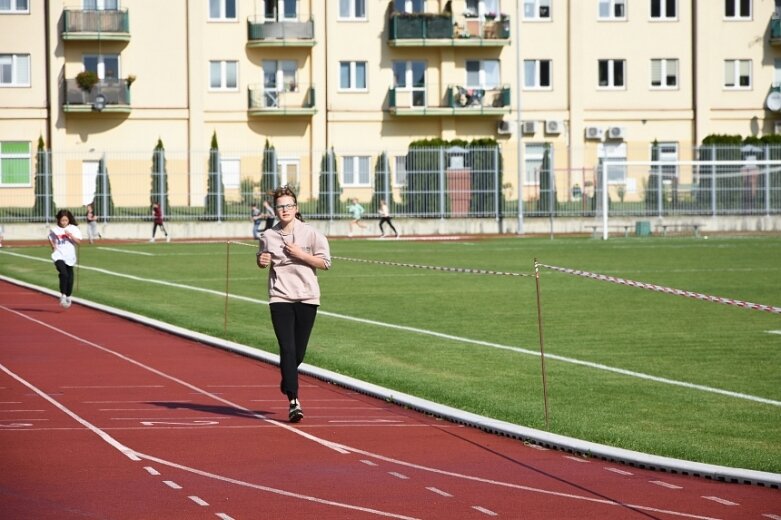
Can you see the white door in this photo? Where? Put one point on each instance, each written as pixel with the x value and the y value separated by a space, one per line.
pixel 89 175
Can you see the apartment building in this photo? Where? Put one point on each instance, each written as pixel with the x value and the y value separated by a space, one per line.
pixel 586 79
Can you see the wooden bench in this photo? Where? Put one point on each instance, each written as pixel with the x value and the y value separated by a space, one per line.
pixel 695 227
pixel 596 229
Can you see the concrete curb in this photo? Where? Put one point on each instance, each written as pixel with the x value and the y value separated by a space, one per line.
pixel 538 437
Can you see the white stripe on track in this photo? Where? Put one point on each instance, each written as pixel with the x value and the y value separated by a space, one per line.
pixel 127 251
pixel 564 359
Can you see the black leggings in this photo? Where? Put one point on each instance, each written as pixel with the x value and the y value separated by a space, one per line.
pixel 293 324
pixel 66 277
pixel 383 220
pixel 154 229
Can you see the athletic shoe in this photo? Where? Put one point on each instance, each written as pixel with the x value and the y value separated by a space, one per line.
pixel 63 301
pixel 67 302
pixel 168 238
pixel 152 240
pixel 295 414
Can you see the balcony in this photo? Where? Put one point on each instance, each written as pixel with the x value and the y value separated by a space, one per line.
pixel 294 99
pixel 115 92
pixel 286 33
pixel 775 30
pixel 89 25
pixel 444 30
pixel 458 101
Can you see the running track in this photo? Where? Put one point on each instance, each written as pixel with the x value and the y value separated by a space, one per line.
pixel 101 417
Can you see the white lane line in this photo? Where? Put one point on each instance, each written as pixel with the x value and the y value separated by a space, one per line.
pixel 368 462
pixel 365 421
pixel 400 476
pixel 108 387
pixel 774 332
pixel 484 511
pixel 23 411
pixel 772 516
pixel 536 447
pixel 136 401
pixel 171 484
pixel 577 459
pixel 665 484
pixel 620 471
pixel 10 402
pixel 722 501
pixel 440 492
pixel 152 471
pixel 198 500
pixel 223 516
pixel 564 359
pixel 127 251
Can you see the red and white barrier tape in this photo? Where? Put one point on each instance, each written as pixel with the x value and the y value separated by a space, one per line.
pixel 668 290
pixel 432 267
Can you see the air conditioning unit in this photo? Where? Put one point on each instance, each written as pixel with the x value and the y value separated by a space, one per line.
pixel 616 132
pixel 529 127
pixel 504 127
pixel 553 126
pixel 594 132
pixel 777 127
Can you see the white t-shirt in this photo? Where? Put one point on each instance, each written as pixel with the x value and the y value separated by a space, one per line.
pixel 64 249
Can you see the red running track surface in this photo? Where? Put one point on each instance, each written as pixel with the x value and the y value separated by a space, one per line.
pixel 101 417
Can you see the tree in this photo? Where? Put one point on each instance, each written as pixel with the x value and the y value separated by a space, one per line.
pixel 548 197
pixel 382 183
pixel 487 175
pixel 269 177
pixel 103 203
pixel 328 203
pixel 159 191
pixel 215 194
pixel 44 193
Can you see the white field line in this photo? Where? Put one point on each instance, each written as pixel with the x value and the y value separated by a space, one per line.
pixel 127 251
pixel 414 330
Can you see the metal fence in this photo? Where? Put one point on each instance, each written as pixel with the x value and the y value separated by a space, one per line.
pixel 453 182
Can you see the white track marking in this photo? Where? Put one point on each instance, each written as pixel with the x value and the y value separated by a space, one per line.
pixel 127 251
pixel 564 359
pixel 223 516
pixel 151 470
pixel 198 500
pixel 620 471
pixel 368 462
pixel 171 484
pixel 484 511
pixel 576 459
pixel 774 332
pixel 399 476
pixel 665 484
pixel 17 411
pixel 440 492
pixel 772 516
pixel 722 501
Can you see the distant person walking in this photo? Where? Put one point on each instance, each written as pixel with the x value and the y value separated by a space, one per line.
pixel 92 224
pixel 270 216
pixel 356 211
pixel 255 217
pixel 158 219
pixel 385 218
pixel 293 251
pixel 63 238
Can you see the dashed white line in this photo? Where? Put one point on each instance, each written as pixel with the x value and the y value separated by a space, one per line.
pixel 440 492
pixel 665 484
pixel 620 471
pixel 368 462
pixel 126 251
pixel 484 511
pixel 772 516
pixel 198 500
pixel 721 501
pixel 223 516
pixel 151 470
pixel 398 475
pixel 537 447
pixel 171 484
pixel 576 459
pixel 17 411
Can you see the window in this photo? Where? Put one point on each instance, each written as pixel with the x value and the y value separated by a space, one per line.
pixel 663 9
pixel 482 74
pixel 400 161
pixel 352 9
pixel 409 6
pixel 15 163
pixel 612 9
pixel 482 7
pixel 14 6
pixel 410 77
pixel 223 75
pixel 666 153
pixel 100 5
pixel 536 74
pixel 222 10
pixel 280 10
pixel 106 66
pixel 356 170
pixel 14 70
pixel 737 8
pixel 278 76
pixel 737 74
pixel 533 154
pixel 536 9
pixel 611 73
pixel 352 75
pixel 664 73
pixel 231 171
pixel 616 174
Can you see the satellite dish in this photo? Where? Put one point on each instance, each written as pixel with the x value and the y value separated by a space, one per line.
pixel 774 101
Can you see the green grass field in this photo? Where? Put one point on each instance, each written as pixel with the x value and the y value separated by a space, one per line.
pixel 471 341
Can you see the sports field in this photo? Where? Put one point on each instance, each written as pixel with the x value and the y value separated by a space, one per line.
pixel 625 366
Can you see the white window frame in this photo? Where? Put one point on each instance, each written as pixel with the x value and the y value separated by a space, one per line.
pixel 607 151
pixel 353 76
pixel 417 94
pixel 484 79
pixel 222 7
pixel 230 168
pixel 14 61
pixel 663 14
pixel 356 170
pixel 537 10
pixel 100 66
pixel 610 6
pixel 611 75
pixel 732 72
pixel 410 6
pixel 483 7
pixel 279 14
pixel 223 76
pixel 14 8
pixel 348 10
pixel 668 152
pixel 400 170
pixel 533 154
pixel 536 76
pixel 28 156
pixel 100 5
pixel 736 5
pixel 664 66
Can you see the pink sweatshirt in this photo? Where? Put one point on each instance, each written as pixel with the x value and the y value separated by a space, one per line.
pixel 290 280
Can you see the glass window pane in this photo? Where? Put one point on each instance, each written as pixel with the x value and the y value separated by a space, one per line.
pixel 6 70
pixel 5 5
pixel 360 8
pixel 344 74
pixel 618 73
pixel 23 70
pixel 15 147
pixel 344 8
pixel 729 73
pixel 290 9
pixel 670 9
pixel 214 8
pixel 230 8
pixel 15 171
pixel 418 74
pixel 364 170
pixel 529 73
pixel 360 74
pixel 231 74
pixel 215 74
pixel 473 73
pixel 399 74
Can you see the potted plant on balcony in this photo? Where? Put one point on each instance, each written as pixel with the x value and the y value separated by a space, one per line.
pixel 86 80
pixel 131 78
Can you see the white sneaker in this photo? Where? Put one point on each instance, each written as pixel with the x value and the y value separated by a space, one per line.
pixel 168 238
pixel 67 302
pixel 152 240
pixel 63 301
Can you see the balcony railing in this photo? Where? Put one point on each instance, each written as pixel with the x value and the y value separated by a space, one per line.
pixel 445 30
pixel 775 30
pixel 115 92
pixel 290 99
pixel 285 33
pixel 457 101
pixel 96 25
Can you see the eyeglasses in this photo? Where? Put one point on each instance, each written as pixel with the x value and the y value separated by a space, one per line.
pixel 284 206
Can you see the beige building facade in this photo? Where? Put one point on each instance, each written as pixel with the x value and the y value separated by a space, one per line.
pixel 590 78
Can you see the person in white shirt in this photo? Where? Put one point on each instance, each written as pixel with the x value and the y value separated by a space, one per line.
pixel 63 238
